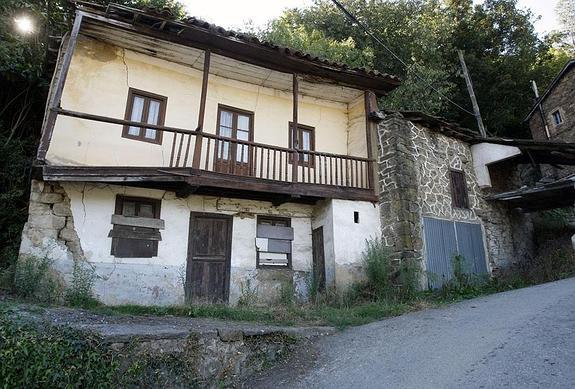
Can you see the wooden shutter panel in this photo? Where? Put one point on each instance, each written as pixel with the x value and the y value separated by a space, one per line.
pixel 458 189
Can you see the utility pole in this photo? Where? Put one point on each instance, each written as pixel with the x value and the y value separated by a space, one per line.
pixel 472 95
pixel 541 111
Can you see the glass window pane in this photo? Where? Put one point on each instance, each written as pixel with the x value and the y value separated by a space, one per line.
pixel 243 135
pixel 153 112
pixel 129 208
pixel 146 210
pixel 137 111
pixel 153 117
pixel 226 131
pixel 224 150
pixel 243 122
pixel 306 143
pixel 226 118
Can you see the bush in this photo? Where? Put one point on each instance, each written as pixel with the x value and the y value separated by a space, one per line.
pixel 248 294
pixel 35 279
pixel 52 357
pixel 79 293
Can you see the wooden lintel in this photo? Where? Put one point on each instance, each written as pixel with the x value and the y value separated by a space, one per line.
pixel 54 101
pixel 295 98
pixel 202 111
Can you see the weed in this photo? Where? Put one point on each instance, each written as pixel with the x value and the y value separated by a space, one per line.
pixel 248 294
pixel 35 279
pixel 287 294
pixel 79 293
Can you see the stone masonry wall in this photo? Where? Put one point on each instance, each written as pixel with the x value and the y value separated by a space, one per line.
pixel 562 98
pixel 414 177
pixel 50 222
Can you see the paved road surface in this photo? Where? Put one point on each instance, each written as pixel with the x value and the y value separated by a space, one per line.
pixel 518 339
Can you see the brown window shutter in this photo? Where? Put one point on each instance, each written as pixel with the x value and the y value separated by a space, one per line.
pixel 459 195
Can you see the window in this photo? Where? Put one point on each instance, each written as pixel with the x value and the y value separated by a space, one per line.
pixel 304 141
pixel 136 231
pixel 459 198
pixel 557 117
pixel 145 108
pixel 236 124
pixel 273 242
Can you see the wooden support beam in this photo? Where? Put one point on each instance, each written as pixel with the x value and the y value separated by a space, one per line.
pixel 187 191
pixel 48 127
pixel 202 112
pixel 295 159
pixel 370 132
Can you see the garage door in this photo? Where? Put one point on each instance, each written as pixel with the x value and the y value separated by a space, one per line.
pixel 444 239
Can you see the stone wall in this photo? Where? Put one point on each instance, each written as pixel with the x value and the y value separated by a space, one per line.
pixel 414 165
pixel 50 223
pixel 562 98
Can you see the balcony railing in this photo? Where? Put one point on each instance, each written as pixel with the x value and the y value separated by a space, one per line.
pixel 214 153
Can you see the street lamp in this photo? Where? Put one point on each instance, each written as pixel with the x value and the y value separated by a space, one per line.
pixel 24 24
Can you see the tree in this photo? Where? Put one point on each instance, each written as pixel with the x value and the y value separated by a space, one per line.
pixel 502 51
pixel 566 13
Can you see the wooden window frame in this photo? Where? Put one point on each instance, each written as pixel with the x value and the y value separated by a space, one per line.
pixel 560 115
pixel 132 92
pixel 311 130
pixel 272 219
pixel 233 146
pixel 118 210
pixel 454 199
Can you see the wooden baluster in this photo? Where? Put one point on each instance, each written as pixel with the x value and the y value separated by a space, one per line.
pixel 346 172
pixel 207 164
pixel 180 150
pixel 268 164
pixel 356 178
pixel 232 150
pixel 173 149
pixel 281 162
pixel 361 165
pixel 330 170
pixel 287 164
pixel 336 172
pixel 325 170
pixel 319 170
pixel 261 163
pixel 187 150
pixel 274 169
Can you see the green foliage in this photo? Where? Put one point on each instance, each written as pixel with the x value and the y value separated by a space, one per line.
pixel 80 291
pixel 52 357
pixel 35 280
pixel 248 294
pixel 287 294
pixel 502 51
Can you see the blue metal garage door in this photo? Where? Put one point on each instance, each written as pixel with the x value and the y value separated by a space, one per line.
pixel 443 240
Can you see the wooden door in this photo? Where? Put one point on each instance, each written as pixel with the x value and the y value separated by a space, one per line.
pixel 209 253
pixel 232 157
pixel 318 258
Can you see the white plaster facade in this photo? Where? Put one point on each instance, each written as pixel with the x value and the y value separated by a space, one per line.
pixel 160 280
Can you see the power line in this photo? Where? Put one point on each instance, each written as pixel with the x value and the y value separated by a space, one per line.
pixel 354 20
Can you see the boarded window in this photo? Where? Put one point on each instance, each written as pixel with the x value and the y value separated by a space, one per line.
pixel 136 227
pixel 147 108
pixel 274 242
pixel 459 196
pixel 305 141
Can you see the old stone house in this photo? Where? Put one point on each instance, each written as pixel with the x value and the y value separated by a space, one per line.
pixel 183 162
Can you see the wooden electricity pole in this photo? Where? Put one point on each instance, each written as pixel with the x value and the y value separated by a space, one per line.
pixel 472 95
pixel 541 111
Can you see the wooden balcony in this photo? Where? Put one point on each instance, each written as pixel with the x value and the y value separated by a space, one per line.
pixel 205 163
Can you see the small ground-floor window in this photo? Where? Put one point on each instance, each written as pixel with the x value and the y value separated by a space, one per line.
pixel 274 241
pixel 136 223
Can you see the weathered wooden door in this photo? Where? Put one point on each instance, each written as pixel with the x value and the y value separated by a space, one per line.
pixel 232 157
pixel 318 258
pixel 209 253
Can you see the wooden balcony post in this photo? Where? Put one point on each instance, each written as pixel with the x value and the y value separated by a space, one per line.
pixel 202 113
pixel 56 98
pixel 370 129
pixel 294 144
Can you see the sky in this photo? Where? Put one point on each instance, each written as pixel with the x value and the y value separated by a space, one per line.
pixel 234 13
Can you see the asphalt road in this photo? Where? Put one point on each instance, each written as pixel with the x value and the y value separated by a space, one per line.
pixel 519 339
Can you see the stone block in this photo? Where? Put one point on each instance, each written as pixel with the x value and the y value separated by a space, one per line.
pixel 230 335
pixel 39 208
pixel 68 235
pixel 37 186
pixel 36 236
pixel 47 198
pixel 47 221
pixel 62 209
pixel 75 248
